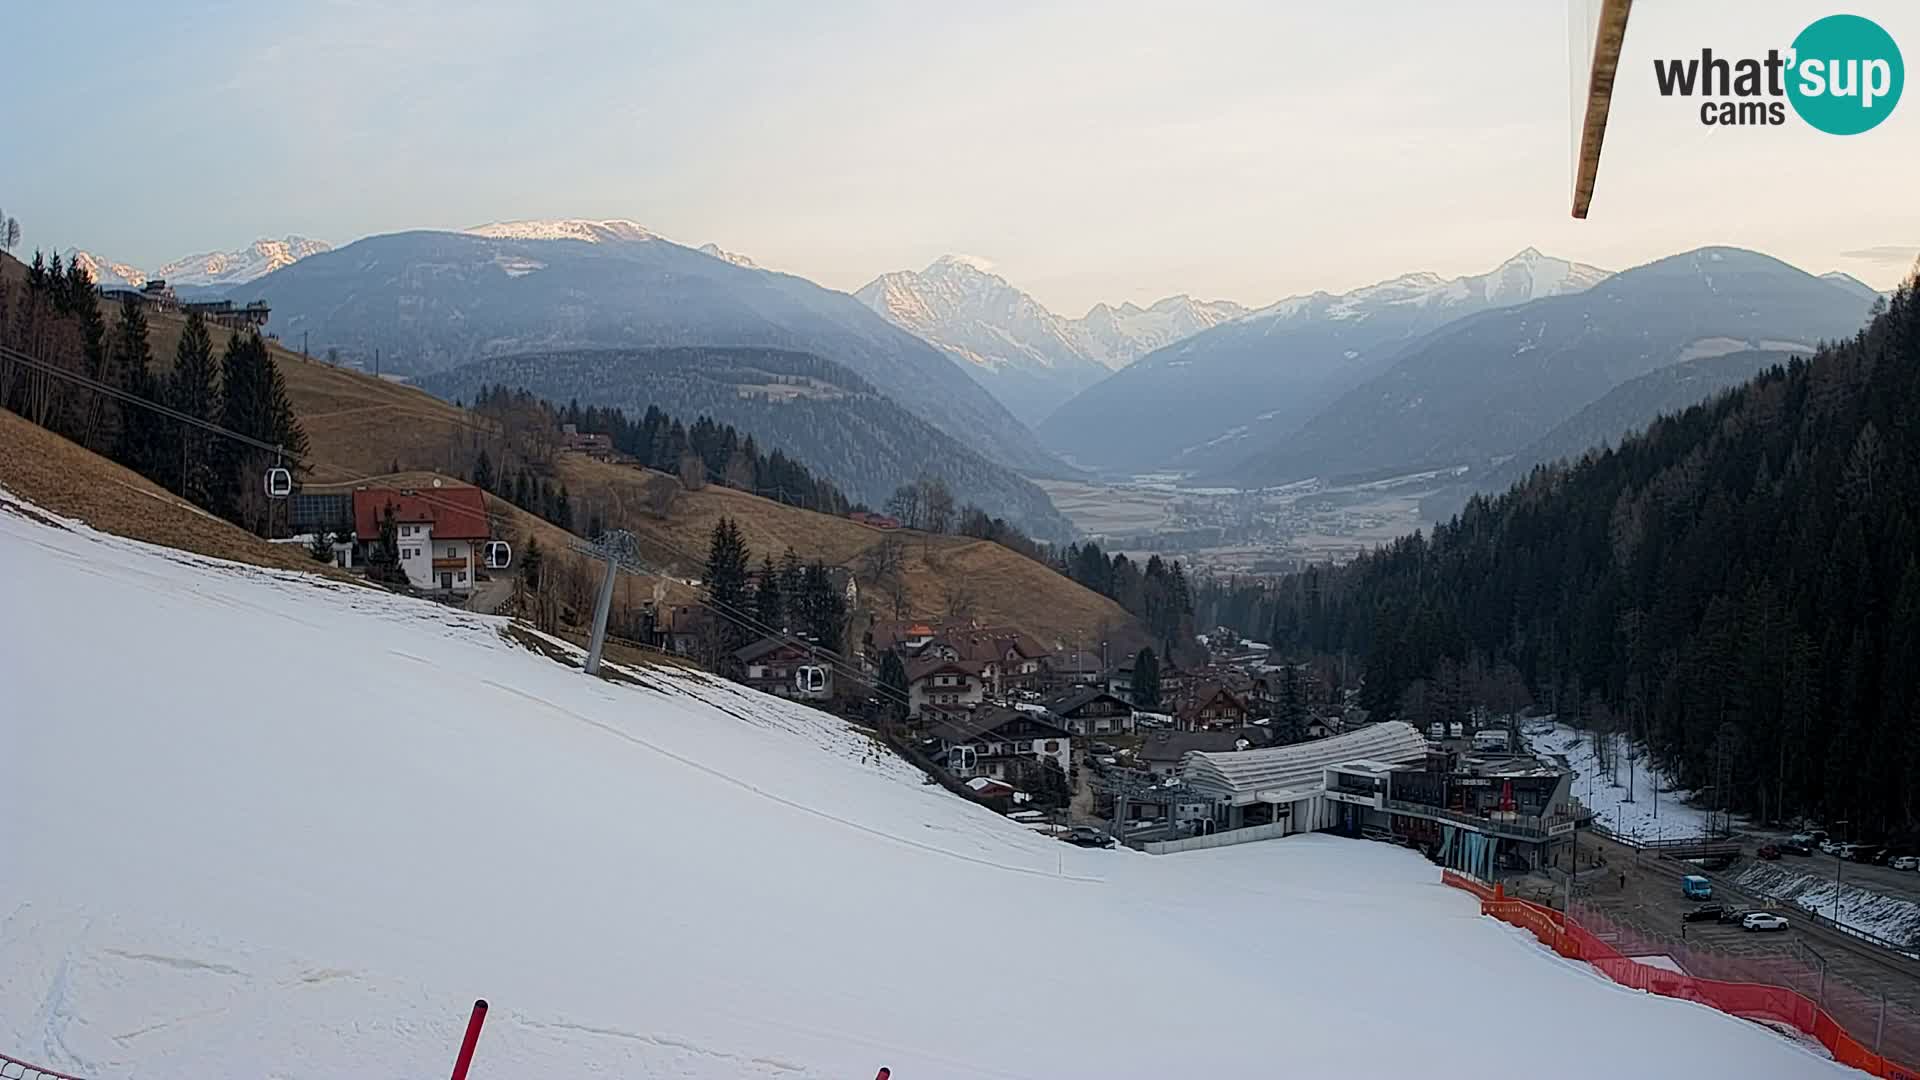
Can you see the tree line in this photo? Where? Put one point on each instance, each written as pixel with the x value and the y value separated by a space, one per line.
pixel 53 315
pixel 1158 592
pixel 1737 588
pixel 791 598
pixel 703 452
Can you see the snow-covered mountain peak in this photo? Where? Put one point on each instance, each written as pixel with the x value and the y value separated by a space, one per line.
pixel 208 269
pixel 105 272
pixel 608 230
pixel 724 255
pixel 961 264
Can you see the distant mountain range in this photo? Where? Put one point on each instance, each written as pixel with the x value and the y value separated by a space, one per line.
pixel 815 411
pixel 208 270
pixel 1216 397
pixel 1031 359
pixel 1486 387
pixel 430 301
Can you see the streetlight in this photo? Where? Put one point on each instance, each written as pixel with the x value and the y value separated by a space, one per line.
pixel 1836 877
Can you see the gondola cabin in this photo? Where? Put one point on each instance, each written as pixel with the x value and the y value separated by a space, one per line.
pixel 786 668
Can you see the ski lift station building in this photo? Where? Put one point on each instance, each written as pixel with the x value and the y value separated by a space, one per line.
pixel 1288 784
pixel 1386 780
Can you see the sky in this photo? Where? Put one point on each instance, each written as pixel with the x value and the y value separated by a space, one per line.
pixel 1089 152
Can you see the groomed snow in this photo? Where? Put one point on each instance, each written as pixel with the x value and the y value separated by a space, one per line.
pixel 256 825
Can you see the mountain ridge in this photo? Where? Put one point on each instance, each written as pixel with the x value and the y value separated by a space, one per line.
pixel 1488 386
pixel 429 300
pixel 1208 400
pixel 1031 358
pixel 207 270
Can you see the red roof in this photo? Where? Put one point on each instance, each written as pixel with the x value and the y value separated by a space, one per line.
pixel 456 513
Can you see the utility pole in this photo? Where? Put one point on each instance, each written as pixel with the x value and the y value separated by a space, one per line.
pixel 376 363
pixel 303 346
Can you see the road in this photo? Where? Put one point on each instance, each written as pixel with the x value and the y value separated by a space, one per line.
pixel 1858 975
pixel 487 596
pixel 1904 884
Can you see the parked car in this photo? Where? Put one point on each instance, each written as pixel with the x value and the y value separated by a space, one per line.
pixel 1829 847
pixel 1695 887
pixel 1801 838
pixel 1763 921
pixel 1734 916
pixel 1102 748
pixel 1905 862
pixel 1088 836
pixel 1704 913
pixel 1769 852
pixel 1795 847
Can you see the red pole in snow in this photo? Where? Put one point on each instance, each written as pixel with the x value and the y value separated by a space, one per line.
pixel 884 1073
pixel 461 1063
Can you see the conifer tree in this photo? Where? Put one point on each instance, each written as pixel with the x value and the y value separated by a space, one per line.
pixel 769 603
pixel 1146 679
pixel 483 471
pixel 726 579
pixel 193 388
pixel 138 441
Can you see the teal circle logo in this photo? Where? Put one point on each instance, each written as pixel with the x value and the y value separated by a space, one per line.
pixel 1846 76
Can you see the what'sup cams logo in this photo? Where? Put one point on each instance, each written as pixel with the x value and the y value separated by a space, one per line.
pixel 1842 75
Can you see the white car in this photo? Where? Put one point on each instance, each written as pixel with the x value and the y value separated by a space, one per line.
pixel 1830 847
pixel 1905 862
pixel 1763 920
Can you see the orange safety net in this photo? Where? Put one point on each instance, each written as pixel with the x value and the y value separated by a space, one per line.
pixel 1750 1000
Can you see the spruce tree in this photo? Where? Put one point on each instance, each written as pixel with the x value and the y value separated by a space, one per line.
pixel 893 680
pixel 769 603
pixel 1146 679
pixel 726 579
pixel 823 607
pixel 483 471
pixel 137 445
pixel 193 389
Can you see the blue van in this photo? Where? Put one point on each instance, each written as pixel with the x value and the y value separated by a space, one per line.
pixel 1695 887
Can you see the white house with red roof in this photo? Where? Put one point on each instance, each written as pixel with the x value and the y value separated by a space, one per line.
pixel 441 533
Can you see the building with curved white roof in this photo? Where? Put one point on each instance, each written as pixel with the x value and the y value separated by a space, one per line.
pixel 1289 782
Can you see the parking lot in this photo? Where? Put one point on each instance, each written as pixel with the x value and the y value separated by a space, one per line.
pixel 1857 975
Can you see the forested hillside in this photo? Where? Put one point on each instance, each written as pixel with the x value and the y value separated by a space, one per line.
pixel 1625 409
pixel 816 410
pixel 1739 587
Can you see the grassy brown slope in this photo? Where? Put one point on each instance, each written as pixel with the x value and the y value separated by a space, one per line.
pixel 61 476
pixel 360 426
pixel 1005 588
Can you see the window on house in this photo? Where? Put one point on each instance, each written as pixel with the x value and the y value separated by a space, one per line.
pixel 450 553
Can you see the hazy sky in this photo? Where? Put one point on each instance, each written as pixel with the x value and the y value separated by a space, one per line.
pixel 1097 151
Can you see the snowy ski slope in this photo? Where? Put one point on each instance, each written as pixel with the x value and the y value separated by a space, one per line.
pixel 254 824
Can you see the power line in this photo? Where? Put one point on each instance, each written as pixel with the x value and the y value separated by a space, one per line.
pixel 129 396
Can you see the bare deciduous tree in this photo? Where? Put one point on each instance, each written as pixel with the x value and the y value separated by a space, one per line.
pixel 662 493
pixel 693 471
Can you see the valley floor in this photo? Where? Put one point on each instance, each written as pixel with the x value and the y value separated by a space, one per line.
pixel 259 823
